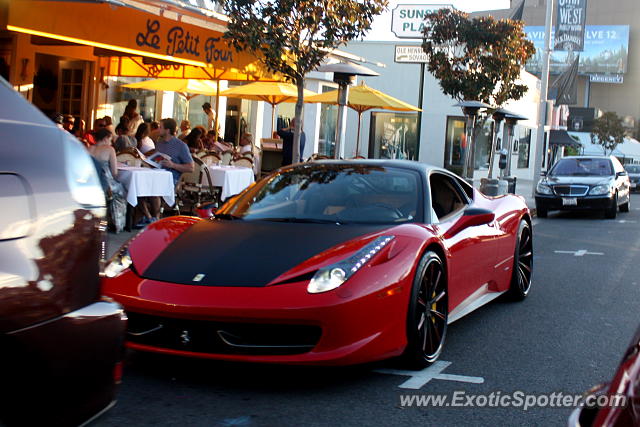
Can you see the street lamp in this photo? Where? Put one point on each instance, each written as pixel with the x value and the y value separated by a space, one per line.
pixel 470 110
pixel 344 74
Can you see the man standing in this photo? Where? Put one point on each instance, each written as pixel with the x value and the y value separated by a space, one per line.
pixel 211 116
pixel 287 143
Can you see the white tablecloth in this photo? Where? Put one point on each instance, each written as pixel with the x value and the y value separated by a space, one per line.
pixel 146 182
pixel 232 179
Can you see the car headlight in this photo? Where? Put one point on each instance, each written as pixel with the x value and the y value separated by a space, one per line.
pixel 543 188
pixel 118 263
pixel 600 189
pixel 334 275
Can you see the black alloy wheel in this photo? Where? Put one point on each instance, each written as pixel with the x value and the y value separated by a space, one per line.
pixel 522 263
pixel 428 313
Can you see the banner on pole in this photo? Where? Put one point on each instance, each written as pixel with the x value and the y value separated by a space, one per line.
pixel 571 16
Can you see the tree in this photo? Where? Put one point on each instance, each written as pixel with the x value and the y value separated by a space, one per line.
pixel 608 132
pixel 293 37
pixel 477 59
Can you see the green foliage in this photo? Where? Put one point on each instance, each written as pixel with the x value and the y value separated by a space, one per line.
pixel 476 59
pixel 293 37
pixel 608 132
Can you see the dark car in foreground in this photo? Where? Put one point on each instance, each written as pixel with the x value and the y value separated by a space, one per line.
pixel 634 176
pixel 616 404
pixel 61 342
pixel 584 183
pixel 326 263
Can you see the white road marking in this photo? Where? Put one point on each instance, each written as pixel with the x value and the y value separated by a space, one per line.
pixel 421 378
pixel 581 252
pixel 626 221
pixel 535 222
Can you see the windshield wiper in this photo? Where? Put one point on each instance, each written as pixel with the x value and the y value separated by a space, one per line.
pixel 303 220
pixel 228 216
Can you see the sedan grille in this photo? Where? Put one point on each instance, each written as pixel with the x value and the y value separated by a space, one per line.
pixel 571 190
pixel 202 336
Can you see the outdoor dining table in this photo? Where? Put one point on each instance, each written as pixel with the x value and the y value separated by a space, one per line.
pixel 231 179
pixel 146 182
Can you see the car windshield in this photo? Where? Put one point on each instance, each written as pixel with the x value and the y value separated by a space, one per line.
pixel 582 167
pixel 632 168
pixel 330 193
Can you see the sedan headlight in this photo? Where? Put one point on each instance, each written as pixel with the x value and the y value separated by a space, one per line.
pixel 334 275
pixel 600 189
pixel 543 188
pixel 118 263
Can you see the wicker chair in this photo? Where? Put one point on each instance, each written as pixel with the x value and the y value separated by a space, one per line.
pixel 244 162
pixel 210 159
pixel 129 159
pixel 191 191
pixel 226 157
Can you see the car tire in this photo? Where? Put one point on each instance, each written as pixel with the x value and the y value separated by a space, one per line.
pixel 522 263
pixel 612 211
pixel 626 207
pixel 427 314
pixel 541 212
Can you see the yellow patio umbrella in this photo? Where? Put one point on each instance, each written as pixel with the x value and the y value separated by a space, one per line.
pixel 183 86
pixel 361 99
pixel 273 93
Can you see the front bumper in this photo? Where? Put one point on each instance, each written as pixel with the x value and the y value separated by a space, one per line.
pixel 356 323
pixel 552 202
pixel 63 371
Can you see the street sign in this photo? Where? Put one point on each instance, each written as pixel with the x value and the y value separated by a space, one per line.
pixel 606 78
pixel 410 55
pixel 407 20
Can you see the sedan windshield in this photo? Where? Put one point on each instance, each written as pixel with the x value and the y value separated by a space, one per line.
pixel 632 168
pixel 330 193
pixel 582 167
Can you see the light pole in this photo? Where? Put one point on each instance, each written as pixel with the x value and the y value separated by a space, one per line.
pixel 344 74
pixel 470 110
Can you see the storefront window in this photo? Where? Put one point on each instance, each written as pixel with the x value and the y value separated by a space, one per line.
pixel 393 136
pixel 524 145
pixel 118 97
pixel 328 120
pixel 454 144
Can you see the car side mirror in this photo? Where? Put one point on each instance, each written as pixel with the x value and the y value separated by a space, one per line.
pixel 623 173
pixel 543 173
pixel 470 218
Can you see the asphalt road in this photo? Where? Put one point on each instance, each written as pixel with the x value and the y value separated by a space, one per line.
pixel 567 336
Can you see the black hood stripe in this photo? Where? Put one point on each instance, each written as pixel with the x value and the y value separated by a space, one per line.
pixel 246 253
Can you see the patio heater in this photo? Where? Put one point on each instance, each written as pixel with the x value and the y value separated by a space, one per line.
pixel 490 186
pixel 470 110
pixel 511 119
pixel 344 74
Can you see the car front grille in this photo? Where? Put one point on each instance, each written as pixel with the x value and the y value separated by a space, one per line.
pixel 203 336
pixel 571 190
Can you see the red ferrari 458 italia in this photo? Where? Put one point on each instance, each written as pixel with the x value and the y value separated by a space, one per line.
pixel 331 262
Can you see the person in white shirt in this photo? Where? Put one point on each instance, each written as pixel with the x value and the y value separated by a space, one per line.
pixel 211 116
pixel 145 143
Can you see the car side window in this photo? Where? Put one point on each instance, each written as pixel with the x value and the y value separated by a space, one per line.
pixel 446 197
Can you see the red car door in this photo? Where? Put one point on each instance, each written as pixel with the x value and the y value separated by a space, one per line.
pixel 472 250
